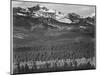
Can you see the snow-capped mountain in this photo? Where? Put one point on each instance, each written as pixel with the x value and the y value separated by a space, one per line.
pixel 41 11
pixel 40 18
pixel 50 13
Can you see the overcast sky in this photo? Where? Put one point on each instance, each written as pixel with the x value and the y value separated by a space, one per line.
pixel 64 8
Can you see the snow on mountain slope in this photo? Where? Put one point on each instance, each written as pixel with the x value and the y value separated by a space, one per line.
pixel 47 13
pixel 40 18
pixel 20 35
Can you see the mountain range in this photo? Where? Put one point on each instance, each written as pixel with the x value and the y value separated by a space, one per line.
pixel 41 19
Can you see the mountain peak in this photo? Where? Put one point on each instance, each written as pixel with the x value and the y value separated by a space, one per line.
pixel 42 11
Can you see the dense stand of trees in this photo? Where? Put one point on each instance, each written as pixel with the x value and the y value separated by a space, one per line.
pixel 75 55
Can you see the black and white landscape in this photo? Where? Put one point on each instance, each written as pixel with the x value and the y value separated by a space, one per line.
pixel 49 37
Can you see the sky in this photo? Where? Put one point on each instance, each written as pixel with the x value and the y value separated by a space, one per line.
pixel 82 10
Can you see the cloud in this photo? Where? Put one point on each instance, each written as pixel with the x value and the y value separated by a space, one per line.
pixel 82 10
pixel 93 14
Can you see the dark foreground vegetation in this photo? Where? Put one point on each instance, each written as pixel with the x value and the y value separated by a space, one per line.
pixel 73 56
